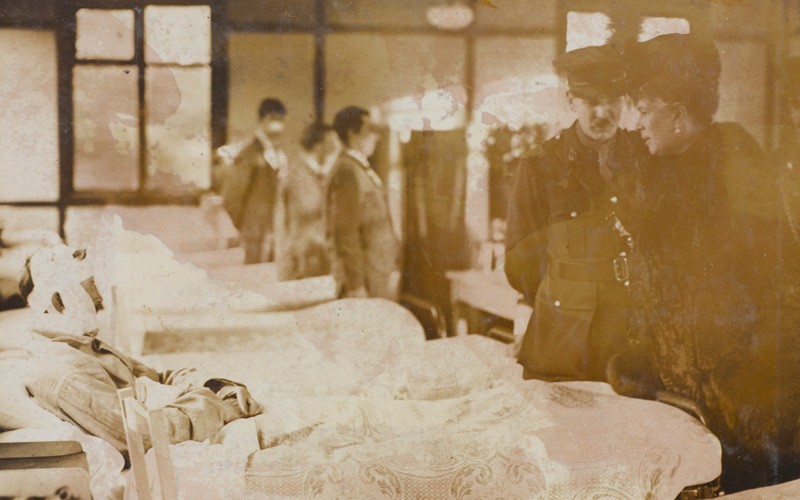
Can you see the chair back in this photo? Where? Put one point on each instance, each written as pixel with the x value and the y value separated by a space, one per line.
pixel 140 424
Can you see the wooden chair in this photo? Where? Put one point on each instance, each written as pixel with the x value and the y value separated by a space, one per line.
pixel 140 423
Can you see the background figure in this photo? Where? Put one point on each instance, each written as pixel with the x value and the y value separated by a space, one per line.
pixel 708 272
pixel 250 188
pixel 359 224
pixel 566 249
pixel 302 250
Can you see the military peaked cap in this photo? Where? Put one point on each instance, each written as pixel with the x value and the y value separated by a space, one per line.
pixel 593 71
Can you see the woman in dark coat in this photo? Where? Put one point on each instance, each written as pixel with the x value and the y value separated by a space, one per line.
pixel 709 270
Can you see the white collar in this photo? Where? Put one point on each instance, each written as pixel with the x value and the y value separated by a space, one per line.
pixel 313 164
pixel 358 155
pixel 264 140
pixel 275 157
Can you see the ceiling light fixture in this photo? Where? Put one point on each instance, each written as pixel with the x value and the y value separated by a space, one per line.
pixel 451 16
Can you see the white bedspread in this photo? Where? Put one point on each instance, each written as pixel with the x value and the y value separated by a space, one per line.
pixel 520 440
pixel 385 357
pixel 527 439
pixel 355 417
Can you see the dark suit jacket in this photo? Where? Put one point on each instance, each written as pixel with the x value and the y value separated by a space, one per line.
pixel 249 190
pixel 360 229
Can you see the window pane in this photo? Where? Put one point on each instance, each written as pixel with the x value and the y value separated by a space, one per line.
pixel 414 79
pixel 288 12
pixel 264 65
pixel 535 14
pixel 180 35
pixel 104 34
pixel 515 83
pixel 657 26
pixel 178 103
pixel 14 219
pixel 106 121
pixel 586 29
pixel 397 13
pixel 29 117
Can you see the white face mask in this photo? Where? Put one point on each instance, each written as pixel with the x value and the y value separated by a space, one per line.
pixel 63 292
pixel 275 127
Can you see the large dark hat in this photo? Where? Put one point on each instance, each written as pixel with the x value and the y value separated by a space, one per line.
pixel 593 71
pixel 678 68
pixel 683 59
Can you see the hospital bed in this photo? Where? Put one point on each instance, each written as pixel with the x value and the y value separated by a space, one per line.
pixel 375 411
pixel 359 405
pixel 368 417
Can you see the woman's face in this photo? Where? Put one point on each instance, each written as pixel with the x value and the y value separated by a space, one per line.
pixel 658 126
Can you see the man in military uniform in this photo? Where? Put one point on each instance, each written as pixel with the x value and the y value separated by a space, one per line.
pixel 566 248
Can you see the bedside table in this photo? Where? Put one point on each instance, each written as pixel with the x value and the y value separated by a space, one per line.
pixel 483 302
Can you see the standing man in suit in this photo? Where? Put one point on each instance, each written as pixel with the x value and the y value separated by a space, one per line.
pixel 250 188
pixel 365 249
pixel 566 247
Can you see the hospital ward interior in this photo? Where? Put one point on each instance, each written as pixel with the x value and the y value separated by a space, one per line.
pixel 417 249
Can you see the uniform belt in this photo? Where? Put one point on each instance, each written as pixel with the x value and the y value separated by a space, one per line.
pixel 613 270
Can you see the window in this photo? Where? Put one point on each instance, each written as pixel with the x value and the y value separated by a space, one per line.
pixel 585 29
pixel 141 93
pixel 29 145
pixel 657 26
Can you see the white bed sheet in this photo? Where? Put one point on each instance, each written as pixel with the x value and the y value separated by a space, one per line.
pixel 527 439
pixel 445 418
pixel 330 354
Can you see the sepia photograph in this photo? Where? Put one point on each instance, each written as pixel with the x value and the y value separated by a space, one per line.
pixel 402 249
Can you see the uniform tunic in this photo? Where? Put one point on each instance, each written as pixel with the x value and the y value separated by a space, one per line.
pixel 567 250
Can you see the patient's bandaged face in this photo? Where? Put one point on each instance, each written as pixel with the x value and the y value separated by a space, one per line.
pixel 64 290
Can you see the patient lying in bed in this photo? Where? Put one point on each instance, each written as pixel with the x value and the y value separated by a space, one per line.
pixel 53 350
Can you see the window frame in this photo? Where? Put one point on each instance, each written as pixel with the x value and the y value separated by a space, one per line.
pixel 67 60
